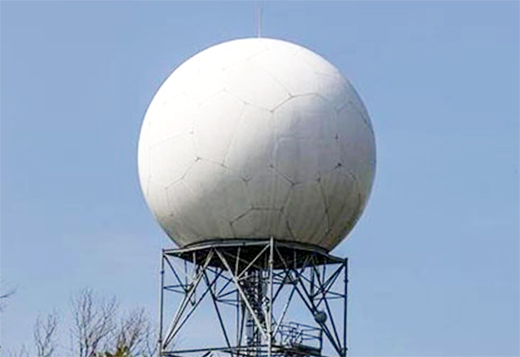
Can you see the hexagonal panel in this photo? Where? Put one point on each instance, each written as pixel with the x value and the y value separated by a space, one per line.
pixel 171 159
pixel 297 79
pixel 215 126
pixel 173 119
pixel 266 92
pixel 178 231
pixel 221 191
pixel 261 224
pixel 305 211
pixel 354 99
pixel 253 142
pixel 208 82
pixel 268 190
pixel 342 227
pixel 303 160
pixel 338 188
pixel 292 75
pixel 191 214
pixel 357 147
pixel 306 117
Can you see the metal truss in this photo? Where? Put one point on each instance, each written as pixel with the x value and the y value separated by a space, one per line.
pixel 259 280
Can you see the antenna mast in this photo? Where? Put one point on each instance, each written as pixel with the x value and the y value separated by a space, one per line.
pixel 259 9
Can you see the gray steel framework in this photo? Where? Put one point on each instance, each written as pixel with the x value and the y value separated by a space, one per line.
pixel 259 280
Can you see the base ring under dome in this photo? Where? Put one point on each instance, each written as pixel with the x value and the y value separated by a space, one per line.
pixel 245 252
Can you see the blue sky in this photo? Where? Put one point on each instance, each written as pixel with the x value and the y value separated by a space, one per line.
pixel 435 258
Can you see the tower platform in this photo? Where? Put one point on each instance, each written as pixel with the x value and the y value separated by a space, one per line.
pixel 270 298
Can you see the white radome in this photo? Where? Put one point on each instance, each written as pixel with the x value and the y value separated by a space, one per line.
pixel 257 138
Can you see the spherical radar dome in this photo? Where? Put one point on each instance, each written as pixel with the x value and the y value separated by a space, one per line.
pixel 257 138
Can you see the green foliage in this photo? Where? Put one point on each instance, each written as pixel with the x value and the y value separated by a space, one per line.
pixel 121 351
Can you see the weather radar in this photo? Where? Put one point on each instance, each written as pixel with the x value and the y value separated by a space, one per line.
pixel 257 157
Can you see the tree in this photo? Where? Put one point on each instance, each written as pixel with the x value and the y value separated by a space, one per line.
pixel 45 335
pixel 93 322
pixel 134 335
pixel 98 330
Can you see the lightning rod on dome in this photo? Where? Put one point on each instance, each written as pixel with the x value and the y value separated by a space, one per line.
pixel 259 13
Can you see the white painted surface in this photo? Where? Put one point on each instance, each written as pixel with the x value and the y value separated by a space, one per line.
pixel 256 138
